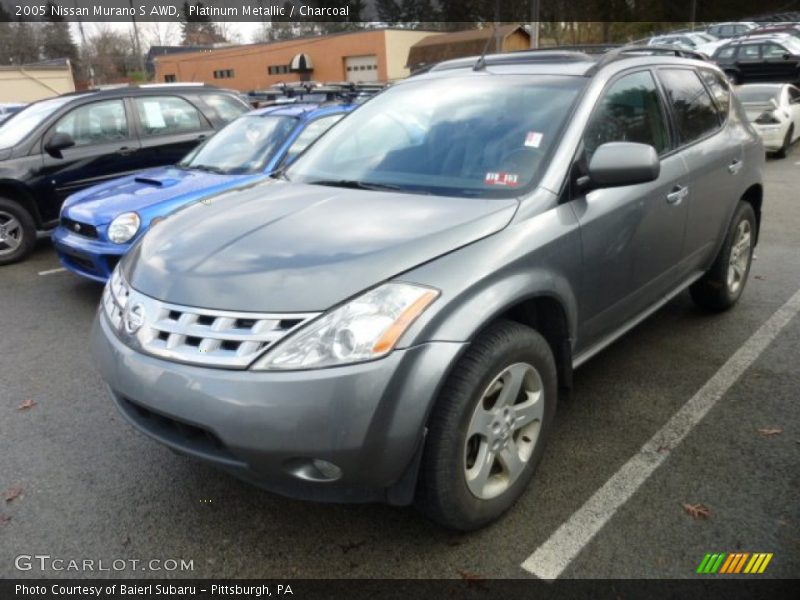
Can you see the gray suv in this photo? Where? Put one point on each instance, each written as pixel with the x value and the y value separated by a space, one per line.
pixel 394 317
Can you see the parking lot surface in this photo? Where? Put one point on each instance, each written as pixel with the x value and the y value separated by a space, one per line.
pixel 79 483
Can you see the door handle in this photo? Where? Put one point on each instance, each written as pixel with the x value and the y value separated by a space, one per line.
pixel 678 193
pixel 201 137
pixel 735 166
pixel 125 151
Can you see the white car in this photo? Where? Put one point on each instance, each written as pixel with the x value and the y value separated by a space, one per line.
pixel 774 109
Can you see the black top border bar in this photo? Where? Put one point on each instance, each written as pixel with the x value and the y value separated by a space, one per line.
pixel 401 13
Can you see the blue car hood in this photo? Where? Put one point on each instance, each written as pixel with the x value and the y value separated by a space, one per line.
pixel 100 204
pixel 286 247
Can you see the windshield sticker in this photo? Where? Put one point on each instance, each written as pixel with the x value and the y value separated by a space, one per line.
pixel 533 139
pixel 503 179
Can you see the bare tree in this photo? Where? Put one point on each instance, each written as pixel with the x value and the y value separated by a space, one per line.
pixel 161 33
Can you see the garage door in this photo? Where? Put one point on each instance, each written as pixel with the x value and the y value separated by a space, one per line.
pixel 361 68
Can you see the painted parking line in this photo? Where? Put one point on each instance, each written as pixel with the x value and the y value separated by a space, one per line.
pixel 554 555
pixel 51 271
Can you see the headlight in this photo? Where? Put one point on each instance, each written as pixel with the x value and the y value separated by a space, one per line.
pixel 124 227
pixel 365 328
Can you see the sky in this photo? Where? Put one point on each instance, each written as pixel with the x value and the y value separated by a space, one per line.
pixel 244 30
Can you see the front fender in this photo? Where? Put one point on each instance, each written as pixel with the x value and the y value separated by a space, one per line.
pixel 534 257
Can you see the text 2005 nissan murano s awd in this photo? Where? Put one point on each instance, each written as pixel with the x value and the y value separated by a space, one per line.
pixel 394 317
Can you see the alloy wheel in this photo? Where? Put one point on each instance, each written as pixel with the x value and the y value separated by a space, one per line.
pixel 10 233
pixel 503 431
pixel 740 256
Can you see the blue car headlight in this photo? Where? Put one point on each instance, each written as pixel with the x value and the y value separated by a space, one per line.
pixel 124 227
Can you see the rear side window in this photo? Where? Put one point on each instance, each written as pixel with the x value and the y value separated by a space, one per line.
pixel 773 51
pixel 629 111
pixel 750 51
pixel 95 123
pixel 719 89
pixel 168 115
pixel 226 107
pixel 694 110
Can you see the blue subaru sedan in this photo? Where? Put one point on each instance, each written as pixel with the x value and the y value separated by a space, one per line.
pixel 100 224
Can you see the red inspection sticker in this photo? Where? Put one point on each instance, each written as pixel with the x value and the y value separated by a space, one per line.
pixel 504 179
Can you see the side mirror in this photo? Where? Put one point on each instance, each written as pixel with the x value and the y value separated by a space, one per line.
pixel 623 163
pixel 774 103
pixel 57 143
pixel 787 56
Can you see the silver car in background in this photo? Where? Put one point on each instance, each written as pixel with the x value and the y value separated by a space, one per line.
pixel 394 317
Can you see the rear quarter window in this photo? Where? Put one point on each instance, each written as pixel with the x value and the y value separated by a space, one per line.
pixel 695 114
pixel 720 90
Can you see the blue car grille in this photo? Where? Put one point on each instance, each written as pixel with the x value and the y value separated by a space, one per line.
pixel 83 229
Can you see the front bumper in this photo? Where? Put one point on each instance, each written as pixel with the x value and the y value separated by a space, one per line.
pixel 367 419
pixel 88 257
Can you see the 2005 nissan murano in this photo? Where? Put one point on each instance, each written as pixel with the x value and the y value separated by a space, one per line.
pixel 393 318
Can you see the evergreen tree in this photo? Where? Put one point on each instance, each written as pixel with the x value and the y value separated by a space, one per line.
pixel 57 38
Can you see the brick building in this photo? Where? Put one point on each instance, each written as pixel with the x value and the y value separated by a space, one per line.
pixel 370 55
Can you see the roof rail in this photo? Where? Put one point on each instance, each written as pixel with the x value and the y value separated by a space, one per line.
pixel 626 51
pixel 511 58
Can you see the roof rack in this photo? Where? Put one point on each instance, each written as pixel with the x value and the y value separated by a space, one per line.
pixel 626 51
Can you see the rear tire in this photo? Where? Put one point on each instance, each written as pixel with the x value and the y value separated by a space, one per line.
pixel 17 232
pixel 721 287
pixel 787 141
pixel 487 431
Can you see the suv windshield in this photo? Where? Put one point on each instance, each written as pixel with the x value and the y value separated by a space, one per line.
pixel 758 93
pixel 15 130
pixel 244 146
pixel 479 135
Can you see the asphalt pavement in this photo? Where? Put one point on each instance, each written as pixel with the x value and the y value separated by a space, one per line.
pixel 80 484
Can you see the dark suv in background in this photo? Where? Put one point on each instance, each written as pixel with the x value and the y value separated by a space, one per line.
pixel 60 145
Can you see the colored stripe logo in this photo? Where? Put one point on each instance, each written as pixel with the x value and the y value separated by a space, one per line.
pixel 734 563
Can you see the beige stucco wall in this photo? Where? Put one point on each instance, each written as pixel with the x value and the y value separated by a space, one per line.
pixel 26 85
pixel 398 44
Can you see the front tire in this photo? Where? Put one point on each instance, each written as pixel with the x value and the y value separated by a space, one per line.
pixel 722 286
pixel 17 232
pixel 487 431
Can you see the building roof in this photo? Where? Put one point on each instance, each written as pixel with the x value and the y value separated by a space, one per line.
pixel 53 64
pixel 445 46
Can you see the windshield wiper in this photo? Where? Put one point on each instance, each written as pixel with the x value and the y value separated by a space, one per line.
pixel 357 185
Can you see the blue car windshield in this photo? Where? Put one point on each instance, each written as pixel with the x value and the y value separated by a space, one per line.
pixel 244 146
pixel 479 135
pixel 26 120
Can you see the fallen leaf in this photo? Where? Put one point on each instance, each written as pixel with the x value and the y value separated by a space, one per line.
pixel 26 404
pixel 126 541
pixel 759 277
pixel 697 511
pixel 4 519
pixel 767 432
pixel 13 493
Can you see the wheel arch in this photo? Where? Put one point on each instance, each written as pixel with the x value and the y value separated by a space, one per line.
pixel 15 191
pixel 754 196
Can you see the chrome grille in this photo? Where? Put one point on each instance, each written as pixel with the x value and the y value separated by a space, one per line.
pixel 215 338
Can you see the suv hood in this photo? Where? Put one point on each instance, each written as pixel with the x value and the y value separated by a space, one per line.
pixel 102 203
pixel 286 247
